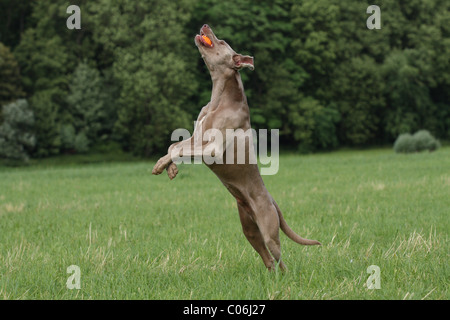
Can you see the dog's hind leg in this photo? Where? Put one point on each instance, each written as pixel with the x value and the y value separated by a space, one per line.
pixel 254 236
pixel 269 225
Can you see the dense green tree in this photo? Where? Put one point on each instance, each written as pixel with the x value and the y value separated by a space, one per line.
pixel 14 19
pixel 151 51
pixel 46 108
pixel 358 95
pixel 10 84
pixel 315 43
pixel 45 61
pixel 44 75
pixel 89 115
pixel 48 54
pixel 133 74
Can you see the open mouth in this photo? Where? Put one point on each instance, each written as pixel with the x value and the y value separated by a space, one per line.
pixel 204 40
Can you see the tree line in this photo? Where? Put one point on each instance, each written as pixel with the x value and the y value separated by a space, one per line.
pixel 132 74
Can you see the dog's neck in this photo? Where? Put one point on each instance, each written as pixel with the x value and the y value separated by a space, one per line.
pixel 227 87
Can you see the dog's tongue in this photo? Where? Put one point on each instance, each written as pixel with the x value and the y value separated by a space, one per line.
pixel 207 40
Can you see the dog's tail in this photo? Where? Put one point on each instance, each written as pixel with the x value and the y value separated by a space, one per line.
pixel 290 233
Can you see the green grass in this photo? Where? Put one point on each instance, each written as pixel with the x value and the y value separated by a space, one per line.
pixel 138 236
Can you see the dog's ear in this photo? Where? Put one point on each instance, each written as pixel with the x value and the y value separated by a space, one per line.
pixel 241 61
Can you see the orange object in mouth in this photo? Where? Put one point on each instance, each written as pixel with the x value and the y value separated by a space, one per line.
pixel 207 40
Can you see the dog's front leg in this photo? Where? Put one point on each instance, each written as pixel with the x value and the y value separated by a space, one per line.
pixel 161 164
pixel 187 150
pixel 166 161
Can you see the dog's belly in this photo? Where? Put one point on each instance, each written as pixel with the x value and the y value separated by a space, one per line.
pixel 243 181
pixel 236 173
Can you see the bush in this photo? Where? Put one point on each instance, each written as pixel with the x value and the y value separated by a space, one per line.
pixel 420 141
pixel 405 144
pixel 16 137
pixel 425 141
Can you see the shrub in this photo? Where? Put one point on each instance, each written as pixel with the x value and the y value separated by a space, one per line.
pixel 425 141
pixel 405 144
pixel 420 141
pixel 16 137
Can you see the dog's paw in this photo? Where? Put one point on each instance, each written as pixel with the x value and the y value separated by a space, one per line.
pixel 172 170
pixel 160 166
pixel 156 170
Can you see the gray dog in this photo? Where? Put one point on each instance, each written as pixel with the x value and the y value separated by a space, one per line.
pixel 260 216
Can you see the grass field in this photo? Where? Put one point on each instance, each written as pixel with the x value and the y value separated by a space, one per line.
pixel 138 236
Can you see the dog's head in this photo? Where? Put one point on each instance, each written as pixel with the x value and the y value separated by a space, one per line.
pixel 218 55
